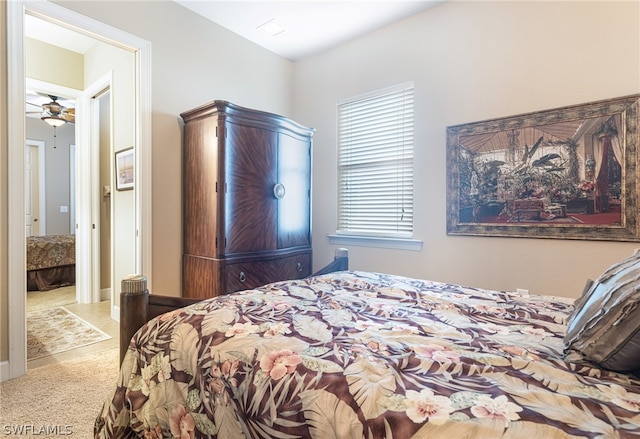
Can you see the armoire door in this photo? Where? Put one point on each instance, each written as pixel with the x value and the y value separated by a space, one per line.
pixel 250 205
pixel 294 207
pixel 200 164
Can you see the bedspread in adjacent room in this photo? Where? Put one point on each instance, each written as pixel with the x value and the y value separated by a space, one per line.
pixel 365 355
pixel 50 261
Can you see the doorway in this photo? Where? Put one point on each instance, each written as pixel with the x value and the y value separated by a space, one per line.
pixel 50 210
pixel 140 50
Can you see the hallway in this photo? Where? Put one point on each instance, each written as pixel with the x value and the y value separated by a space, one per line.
pixel 98 314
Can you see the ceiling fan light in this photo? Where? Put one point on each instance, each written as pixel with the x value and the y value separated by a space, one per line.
pixel 54 121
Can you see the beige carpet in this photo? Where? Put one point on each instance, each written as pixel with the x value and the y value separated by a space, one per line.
pixel 37 300
pixel 67 396
pixel 55 330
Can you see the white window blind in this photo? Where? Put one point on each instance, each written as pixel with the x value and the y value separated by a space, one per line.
pixel 375 163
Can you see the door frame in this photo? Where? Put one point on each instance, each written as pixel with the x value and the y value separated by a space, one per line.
pixel 17 361
pixel 88 194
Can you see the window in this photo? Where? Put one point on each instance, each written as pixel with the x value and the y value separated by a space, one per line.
pixel 375 164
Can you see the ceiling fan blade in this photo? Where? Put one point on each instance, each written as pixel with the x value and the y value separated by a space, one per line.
pixel 46 95
pixel 54 108
pixel 69 115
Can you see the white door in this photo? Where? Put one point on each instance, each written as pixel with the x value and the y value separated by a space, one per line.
pixel 34 188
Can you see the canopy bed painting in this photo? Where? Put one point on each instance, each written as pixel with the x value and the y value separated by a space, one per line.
pixel 354 354
pixel 51 262
pixel 568 173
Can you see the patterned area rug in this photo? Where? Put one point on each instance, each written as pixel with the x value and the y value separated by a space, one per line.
pixel 55 330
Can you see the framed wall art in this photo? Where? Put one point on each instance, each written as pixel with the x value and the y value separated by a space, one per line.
pixel 125 169
pixel 568 173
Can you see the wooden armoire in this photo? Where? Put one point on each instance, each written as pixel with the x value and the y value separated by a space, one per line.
pixel 246 199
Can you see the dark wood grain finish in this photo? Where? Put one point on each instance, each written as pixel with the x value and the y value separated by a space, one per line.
pixel 162 304
pixel 134 312
pixel 202 277
pixel 200 194
pixel 246 275
pixel 251 173
pixel 234 158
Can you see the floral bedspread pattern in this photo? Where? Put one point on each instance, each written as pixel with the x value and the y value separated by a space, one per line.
pixel 365 355
pixel 50 251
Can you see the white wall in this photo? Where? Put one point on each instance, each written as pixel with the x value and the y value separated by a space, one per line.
pixel 61 67
pixel 105 59
pixel 53 64
pixel 194 62
pixel 473 61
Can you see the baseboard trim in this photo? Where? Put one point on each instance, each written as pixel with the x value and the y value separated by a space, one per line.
pixel 105 294
pixel 4 371
pixel 115 313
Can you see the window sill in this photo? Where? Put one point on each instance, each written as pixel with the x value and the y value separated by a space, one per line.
pixel 370 241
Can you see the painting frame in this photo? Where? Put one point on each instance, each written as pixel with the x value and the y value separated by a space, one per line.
pixel 125 169
pixel 505 179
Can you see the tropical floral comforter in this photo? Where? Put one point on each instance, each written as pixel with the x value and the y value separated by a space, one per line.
pixel 365 355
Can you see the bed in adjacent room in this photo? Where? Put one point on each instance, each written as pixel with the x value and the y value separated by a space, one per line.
pixel 51 262
pixel 356 354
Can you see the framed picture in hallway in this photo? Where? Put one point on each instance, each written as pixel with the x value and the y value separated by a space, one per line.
pixel 568 173
pixel 124 169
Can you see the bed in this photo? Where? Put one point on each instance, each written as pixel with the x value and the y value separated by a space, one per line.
pixel 354 354
pixel 51 262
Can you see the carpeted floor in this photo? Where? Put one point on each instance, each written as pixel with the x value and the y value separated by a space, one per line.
pixel 55 330
pixel 63 398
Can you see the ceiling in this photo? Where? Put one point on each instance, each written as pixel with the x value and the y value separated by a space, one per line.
pixel 308 27
pixel 56 35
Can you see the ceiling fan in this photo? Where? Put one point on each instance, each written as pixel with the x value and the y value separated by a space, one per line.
pixel 52 112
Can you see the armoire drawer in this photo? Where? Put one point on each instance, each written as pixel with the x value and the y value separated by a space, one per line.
pixel 247 275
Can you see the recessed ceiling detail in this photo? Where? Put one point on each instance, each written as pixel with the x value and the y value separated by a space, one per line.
pixel 271 28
